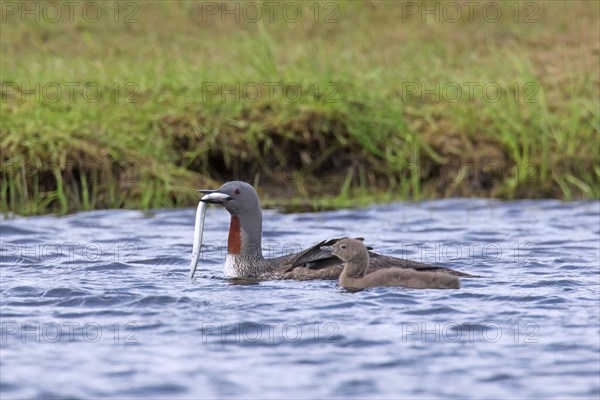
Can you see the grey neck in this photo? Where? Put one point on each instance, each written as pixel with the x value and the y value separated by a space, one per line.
pixel 251 235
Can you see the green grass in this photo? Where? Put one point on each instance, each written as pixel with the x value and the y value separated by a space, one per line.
pixel 156 134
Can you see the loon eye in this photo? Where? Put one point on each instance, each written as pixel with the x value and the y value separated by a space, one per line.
pixel 343 246
pixel 238 191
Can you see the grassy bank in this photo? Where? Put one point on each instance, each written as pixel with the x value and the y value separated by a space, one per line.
pixel 363 102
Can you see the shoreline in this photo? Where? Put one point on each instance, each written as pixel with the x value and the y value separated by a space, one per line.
pixel 120 115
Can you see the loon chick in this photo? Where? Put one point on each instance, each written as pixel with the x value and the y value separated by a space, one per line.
pixel 355 274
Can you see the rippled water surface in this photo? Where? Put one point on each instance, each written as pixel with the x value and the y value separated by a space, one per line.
pixel 98 304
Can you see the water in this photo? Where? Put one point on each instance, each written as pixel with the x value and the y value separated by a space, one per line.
pixel 98 304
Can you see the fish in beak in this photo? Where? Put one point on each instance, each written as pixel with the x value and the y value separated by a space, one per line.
pixel 198 231
pixel 210 197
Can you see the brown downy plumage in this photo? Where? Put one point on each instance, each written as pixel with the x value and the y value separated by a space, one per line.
pixel 356 275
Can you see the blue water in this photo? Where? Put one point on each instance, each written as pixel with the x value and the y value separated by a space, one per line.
pixel 98 304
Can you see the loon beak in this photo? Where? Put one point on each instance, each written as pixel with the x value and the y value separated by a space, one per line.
pixel 213 197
